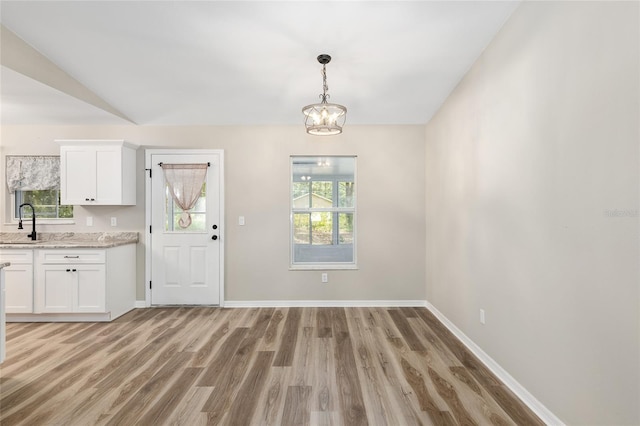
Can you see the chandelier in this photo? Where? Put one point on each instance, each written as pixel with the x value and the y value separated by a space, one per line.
pixel 324 118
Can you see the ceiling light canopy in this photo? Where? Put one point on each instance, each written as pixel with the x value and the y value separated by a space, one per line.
pixel 324 119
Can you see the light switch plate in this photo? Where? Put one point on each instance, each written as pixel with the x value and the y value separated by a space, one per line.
pixel 89 221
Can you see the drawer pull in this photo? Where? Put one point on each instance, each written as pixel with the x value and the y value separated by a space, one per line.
pixel 72 257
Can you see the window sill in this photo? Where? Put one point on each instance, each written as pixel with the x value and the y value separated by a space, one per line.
pixel 325 267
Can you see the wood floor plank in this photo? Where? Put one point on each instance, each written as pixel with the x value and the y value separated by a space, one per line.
pixel 405 329
pixel 271 403
pixel 188 412
pixel 258 366
pixel 116 377
pixel 349 390
pixel 136 404
pixel 296 406
pixel 172 397
pixel 228 383
pixel 425 399
pixel 245 403
pixel 287 348
pixel 223 358
pixel 269 342
pixel 374 387
pixel 324 323
pixel 204 353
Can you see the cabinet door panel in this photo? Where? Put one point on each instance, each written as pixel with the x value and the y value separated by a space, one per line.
pixel 57 289
pixel 78 176
pixel 90 288
pixel 108 176
pixel 19 289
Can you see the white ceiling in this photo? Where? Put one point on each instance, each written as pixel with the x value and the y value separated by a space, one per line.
pixel 245 62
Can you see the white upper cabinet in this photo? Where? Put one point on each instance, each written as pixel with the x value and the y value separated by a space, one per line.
pixel 97 172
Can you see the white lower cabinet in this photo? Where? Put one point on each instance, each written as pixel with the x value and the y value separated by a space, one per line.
pixel 69 284
pixel 84 284
pixel 18 280
pixel 71 288
pixel 70 281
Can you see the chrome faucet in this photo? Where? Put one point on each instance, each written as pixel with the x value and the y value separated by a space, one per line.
pixel 32 235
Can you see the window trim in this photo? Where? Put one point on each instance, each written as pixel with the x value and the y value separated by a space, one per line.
pixel 306 266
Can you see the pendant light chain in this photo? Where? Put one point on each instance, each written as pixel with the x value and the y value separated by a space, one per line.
pixel 325 87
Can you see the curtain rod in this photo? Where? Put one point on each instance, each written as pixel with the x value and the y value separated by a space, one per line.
pixel 208 164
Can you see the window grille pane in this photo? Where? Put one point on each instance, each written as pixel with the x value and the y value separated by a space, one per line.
pixel 345 228
pixel 302 228
pixel 345 194
pixel 321 228
pixel 300 195
pixel 322 195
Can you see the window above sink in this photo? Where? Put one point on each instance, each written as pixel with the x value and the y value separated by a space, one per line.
pixel 36 180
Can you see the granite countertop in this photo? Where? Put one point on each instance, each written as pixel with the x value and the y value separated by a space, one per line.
pixel 67 240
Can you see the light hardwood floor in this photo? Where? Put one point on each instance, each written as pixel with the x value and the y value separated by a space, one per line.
pixel 289 366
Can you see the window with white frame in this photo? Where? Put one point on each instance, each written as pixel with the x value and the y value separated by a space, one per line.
pixel 323 212
pixel 36 180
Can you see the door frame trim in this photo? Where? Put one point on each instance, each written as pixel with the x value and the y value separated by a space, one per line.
pixel 147 164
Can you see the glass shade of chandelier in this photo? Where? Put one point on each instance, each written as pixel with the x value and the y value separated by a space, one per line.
pixel 324 118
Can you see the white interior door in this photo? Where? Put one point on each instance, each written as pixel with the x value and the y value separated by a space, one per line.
pixel 186 261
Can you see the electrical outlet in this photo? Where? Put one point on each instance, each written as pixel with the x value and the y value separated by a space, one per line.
pixel 325 277
pixel 482 319
pixel 241 220
pixel 89 221
pixel 114 221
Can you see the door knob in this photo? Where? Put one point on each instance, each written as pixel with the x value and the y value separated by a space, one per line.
pixel 215 237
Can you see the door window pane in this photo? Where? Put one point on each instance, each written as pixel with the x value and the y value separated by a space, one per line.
pixel 197 215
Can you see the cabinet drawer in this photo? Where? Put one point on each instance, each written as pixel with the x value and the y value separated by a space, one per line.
pixel 16 256
pixel 71 256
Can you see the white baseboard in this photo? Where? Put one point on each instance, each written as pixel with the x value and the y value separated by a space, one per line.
pixel 321 303
pixel 140 304
pixel 536 406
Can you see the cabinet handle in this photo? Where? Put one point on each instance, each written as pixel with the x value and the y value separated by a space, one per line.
pixel 73 270
pixel 68 270
pixel 72 257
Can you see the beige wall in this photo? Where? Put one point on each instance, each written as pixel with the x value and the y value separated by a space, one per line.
pixel 391 247
pixel 526 162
